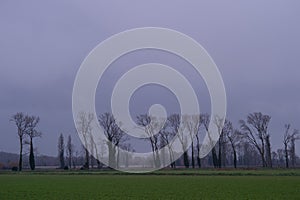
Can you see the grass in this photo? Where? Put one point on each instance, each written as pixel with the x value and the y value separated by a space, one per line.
pixel 192 172
pixel 165 184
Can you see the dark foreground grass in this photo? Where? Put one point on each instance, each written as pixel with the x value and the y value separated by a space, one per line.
pixel 180 172
pixel 42 186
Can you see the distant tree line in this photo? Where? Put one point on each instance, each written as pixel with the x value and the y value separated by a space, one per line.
pixel 248 145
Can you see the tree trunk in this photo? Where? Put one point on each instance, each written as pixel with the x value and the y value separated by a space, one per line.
pixel 263 159
pixel 31 156
pixel 234 158
pixel 199 162
pixel 293 153
pixel 111 156
pixel 234 154
pixel 87 159
pixel 157 159
pixel 99 166
pixel 220 154
pixel 214 156
pixel 186 159
pixel 262 153
pixel 156 154
pixel 118 159
pixel 193 159
pixel 70 160
pixel 21 154
pixel 62 160
pixel 268 152
pixel 198 151
pixel 173 164
pixel 170 156
pixel 92 159
pixel 286 156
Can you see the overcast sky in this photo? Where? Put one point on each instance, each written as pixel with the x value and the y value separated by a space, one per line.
pixel 255 45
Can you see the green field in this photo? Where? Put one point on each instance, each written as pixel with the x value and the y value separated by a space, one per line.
pixel 178 184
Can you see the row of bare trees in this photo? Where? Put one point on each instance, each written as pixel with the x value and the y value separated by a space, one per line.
pixel 248 141
pixel 112 131
pixel 256 131
pixel 252 133
pixel 235 146
pixel 195 125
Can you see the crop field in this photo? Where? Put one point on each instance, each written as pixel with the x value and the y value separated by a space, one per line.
pixel 178 184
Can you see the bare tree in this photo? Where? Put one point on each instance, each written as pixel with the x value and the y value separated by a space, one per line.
pixel 151 126
pixel 193 125
pixel 32 133
pixel 205 120
pixel 256 131
pixel 61 151
pixel 84 128
pixel 166 137
pixel 95 148
pixel 222 126
pixel 286 141
pixel 268 151
pixel 173 122
pixel 233 138
pixel 178 128
pixel 197 123
pixel 289 145
pixel 70 150
pixel 294 136
pixel 114 134
pixel 249 156
pixel 21 122
pixel 188 122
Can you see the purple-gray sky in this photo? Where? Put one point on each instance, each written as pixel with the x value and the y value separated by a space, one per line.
pixel 255 44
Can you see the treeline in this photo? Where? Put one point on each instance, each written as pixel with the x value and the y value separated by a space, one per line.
pixel 10 160
pixel 247 145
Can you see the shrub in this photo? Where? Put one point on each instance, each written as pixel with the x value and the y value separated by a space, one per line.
pixel 14 168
